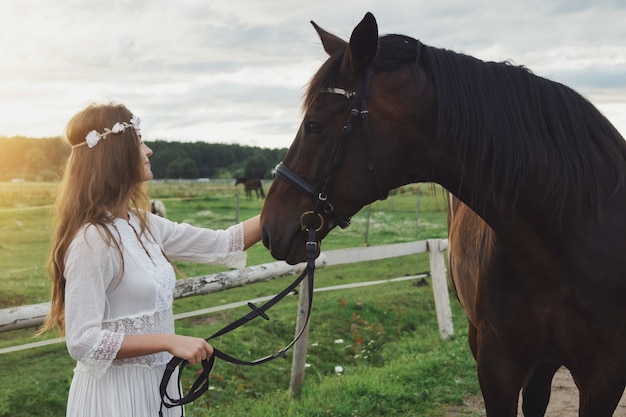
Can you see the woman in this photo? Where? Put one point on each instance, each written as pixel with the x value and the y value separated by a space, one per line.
pixel 112 279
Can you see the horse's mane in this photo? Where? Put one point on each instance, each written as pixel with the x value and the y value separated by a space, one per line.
pixel 520 128
pixel 525 130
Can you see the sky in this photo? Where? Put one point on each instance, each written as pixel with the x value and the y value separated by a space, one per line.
pixel 234 71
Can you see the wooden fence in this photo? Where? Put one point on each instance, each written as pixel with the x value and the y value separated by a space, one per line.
pixel 33 315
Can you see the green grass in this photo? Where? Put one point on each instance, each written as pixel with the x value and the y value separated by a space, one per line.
pixel 25 236
pixel 18 195
pixel 25 227
pixel 407 384
pixel 394 361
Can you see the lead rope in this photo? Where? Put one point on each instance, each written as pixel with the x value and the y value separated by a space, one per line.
pixel 201 384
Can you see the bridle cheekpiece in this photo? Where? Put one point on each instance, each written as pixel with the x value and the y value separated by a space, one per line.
pixel 311 222
pixel 319 193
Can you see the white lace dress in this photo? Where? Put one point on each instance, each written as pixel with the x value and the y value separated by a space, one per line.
pixel 100 308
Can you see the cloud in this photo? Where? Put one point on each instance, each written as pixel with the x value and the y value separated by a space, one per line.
pixel 234 71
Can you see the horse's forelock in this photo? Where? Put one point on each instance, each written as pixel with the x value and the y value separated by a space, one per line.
pixel 393 51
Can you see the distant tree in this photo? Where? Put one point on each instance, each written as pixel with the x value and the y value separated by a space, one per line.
pixel 43 158
pixel 35 162
pixel 36 159
pixel 182 168
pixel 272 158
pixel 164 153
pixel 256 167
pixel 57 151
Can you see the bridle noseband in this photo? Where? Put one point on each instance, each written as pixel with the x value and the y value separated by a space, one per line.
pixel 319 194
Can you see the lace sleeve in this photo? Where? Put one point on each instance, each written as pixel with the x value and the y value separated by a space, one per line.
pixel 89 269
pixel 103 352
pixel 237 258
pixel 235 235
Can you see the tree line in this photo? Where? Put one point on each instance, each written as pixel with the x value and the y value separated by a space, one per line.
pixel 42 159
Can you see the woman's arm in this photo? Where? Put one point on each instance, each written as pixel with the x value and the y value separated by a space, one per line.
pixel 251 231
pixel 193 349
pixel 182 241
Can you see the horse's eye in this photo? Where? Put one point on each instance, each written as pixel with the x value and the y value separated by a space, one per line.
pixel 313 127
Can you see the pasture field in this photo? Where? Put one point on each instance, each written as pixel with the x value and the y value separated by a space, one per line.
pixel 385 337
pixel 25 226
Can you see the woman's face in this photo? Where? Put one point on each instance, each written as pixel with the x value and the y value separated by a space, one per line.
pixel 147 169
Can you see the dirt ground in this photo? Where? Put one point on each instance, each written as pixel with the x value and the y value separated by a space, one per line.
pixel 563 401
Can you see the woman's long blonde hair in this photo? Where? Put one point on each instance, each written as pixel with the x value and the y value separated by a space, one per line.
pixel 95 182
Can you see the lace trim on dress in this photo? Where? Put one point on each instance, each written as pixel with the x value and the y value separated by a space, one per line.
pixel 159 322
pixel 103 353
pixel 235 234
pixel 235 257
pixel 165 281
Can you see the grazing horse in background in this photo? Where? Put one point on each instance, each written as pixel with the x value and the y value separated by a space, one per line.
pixel 251 185
pixel 542 170
pixel 157 207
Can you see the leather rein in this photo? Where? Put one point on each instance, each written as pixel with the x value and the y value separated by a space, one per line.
pixel 310 222
pixel 201 384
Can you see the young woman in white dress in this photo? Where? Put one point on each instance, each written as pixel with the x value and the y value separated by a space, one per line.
pixel 110 266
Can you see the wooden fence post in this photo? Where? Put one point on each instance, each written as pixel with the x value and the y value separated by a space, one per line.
pixel 440 287
pixel 298 362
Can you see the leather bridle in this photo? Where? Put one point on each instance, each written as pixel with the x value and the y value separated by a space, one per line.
pixel 310 222
pixel 323 205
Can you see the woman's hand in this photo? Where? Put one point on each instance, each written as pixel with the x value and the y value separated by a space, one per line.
pixel 192 349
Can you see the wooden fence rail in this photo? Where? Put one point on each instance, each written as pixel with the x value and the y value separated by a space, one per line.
pixel 33 315
pixel 22 317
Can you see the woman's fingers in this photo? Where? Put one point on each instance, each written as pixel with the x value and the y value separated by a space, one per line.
pixel 196 350
pixel 208 349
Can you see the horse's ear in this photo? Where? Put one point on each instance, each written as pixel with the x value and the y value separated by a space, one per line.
pixel 330 42
pixel 363 45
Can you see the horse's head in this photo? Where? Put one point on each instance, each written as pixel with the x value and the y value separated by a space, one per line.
pixel 349 138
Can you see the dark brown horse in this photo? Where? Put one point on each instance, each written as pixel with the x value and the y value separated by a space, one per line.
pixel 250 185
pixel 542 271
pixel 472 255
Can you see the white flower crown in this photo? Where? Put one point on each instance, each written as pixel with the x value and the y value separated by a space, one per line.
pixel 94 136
